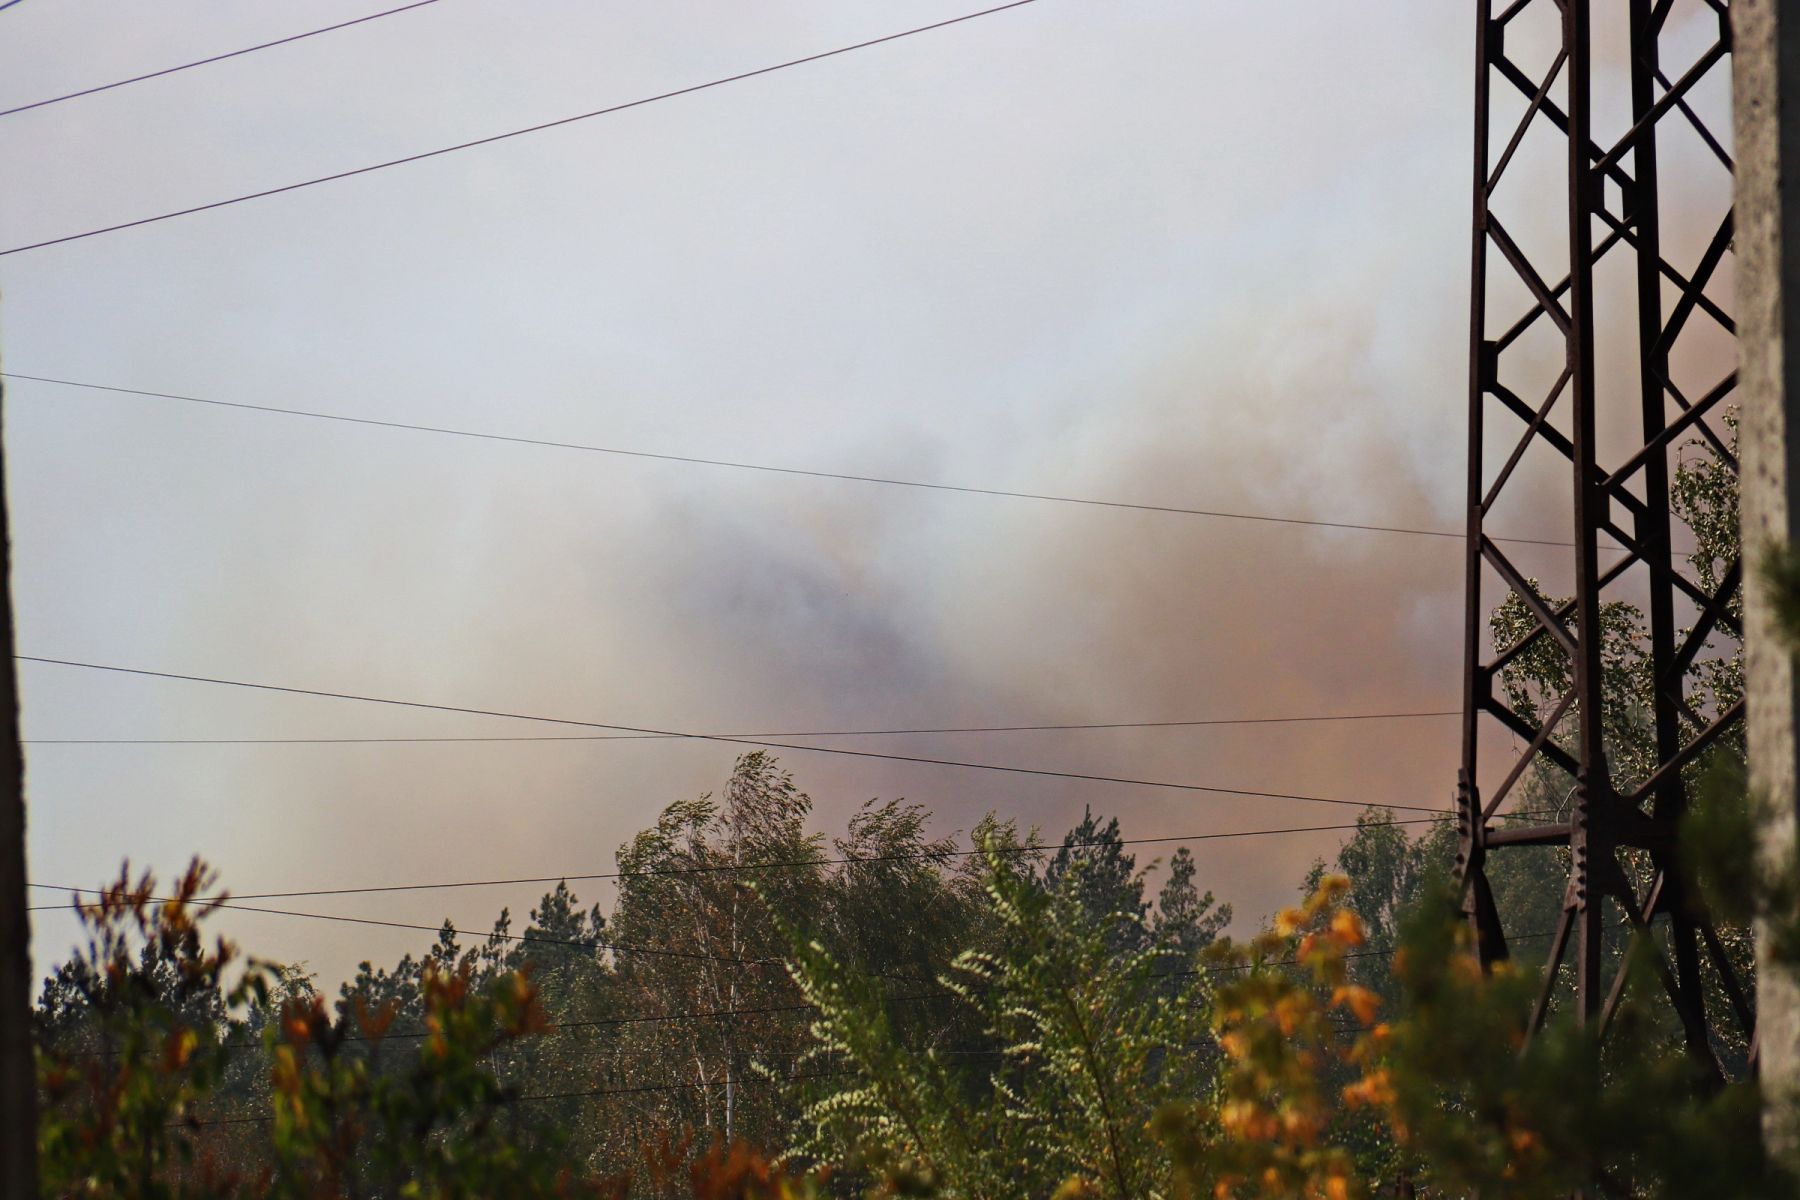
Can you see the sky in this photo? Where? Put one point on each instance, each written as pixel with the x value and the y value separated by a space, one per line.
pixel 1194 254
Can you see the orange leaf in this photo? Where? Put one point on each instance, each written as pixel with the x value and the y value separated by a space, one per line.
pixel 1359 1000
pixel 1348 927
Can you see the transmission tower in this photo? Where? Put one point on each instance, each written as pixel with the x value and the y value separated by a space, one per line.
pixel 1575 227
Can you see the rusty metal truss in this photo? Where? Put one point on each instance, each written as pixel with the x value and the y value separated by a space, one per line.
pixel 1537 391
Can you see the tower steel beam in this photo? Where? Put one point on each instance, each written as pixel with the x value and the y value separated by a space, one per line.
pixel 1612 428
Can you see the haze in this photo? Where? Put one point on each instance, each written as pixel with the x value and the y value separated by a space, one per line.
pixel 1205 255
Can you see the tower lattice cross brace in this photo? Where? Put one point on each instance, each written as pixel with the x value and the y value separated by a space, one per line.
pixel 1574 229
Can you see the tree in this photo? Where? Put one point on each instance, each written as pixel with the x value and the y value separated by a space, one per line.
pixel 703 941
pixel 1187 921
pixel 146 1026
pixel 1092 867
pixel 1084 1043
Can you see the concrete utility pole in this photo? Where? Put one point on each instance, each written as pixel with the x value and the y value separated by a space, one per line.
pixel 18 1070
pixel 1766 102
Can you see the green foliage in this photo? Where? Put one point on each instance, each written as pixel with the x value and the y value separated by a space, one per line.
pixel 1082 1041
pixel 1187 920
pixel 1390 871
pixel 1489 1109
pixel 1704 497
pixel 1541 674
pixel 708 945
pixel 1092 866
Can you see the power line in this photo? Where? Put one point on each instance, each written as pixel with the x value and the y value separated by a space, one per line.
pixel 724 739
pixel 106 87
pixel 773 469
pixel 500 137
pixel 521 938
pixel 631 948
pixel 517 938
pixel 639 737
pixel 234 904
pixel 791 864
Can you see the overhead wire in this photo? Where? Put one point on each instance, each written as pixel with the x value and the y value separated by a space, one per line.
pixel 593 944
pixel 780 865
pixel 639 737
pixel 588 944
pixel 234 904
pixel 723 739
pixel 775 469
pixel 601 943
pixel 597 943
pixel 201 62
pixel 512 133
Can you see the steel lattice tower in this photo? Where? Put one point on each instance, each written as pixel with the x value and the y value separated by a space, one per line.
pixel 1538 390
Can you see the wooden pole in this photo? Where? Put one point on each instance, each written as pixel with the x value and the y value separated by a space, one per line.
pixel 18 1068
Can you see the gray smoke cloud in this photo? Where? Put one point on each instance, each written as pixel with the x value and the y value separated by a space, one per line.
pixel 1201 255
